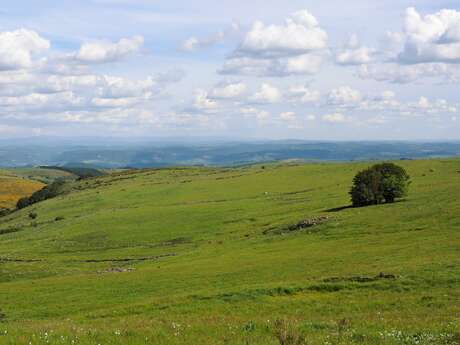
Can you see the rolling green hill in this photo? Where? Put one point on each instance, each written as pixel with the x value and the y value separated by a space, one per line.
pixel 219 256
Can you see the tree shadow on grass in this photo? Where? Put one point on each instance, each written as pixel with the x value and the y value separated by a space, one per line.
pixel 341 208
pixel 338 209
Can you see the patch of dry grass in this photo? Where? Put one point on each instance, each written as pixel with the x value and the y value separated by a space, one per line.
pixel 12 189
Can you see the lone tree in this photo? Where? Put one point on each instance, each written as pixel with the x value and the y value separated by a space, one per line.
pixel 378 184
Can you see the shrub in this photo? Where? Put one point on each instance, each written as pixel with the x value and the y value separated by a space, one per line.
pixel 32 215
pixel 47 192
pixel 378 184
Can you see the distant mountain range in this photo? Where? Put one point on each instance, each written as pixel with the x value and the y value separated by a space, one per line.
pixel 173 153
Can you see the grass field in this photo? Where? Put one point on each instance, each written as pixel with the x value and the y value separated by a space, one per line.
pixel 204 256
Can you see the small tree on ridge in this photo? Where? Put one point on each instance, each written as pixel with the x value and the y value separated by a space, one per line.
pixel 380 183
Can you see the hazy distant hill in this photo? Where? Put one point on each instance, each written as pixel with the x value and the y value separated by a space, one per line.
pixel 158 154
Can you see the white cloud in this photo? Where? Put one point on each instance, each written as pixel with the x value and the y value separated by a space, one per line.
pixel 299 65
pixel 114 102
pixel 334 118
pixel 228 90
pixel 296 47
pixel 193 43
pixel 385 101
pixel 116 87
pixel 267 94
pixel 440 106
pixel 303 94
pixel 260 115
pixel 405 74
pixel 344 96
pixel 103 51
pixel 303 64
pixel 288 116
pixel 40 102
pixel 17 48
pixel 354 54
pixel 300 34
pixel 432 38
pixel 203 103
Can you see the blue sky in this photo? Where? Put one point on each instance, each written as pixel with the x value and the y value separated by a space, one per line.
pixel 330 70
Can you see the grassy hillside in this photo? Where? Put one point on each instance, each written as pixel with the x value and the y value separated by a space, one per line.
pixel 211 256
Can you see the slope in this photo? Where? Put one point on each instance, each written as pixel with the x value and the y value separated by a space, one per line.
pixel 213 256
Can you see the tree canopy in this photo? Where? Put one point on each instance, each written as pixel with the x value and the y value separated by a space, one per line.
pixel 378 184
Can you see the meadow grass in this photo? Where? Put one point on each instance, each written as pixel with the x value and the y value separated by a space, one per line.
pixel 201 256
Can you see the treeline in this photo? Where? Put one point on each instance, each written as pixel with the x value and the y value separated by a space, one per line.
pixel 50 191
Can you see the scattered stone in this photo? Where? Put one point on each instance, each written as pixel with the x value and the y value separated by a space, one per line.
pixel 307 223
pixel 302 225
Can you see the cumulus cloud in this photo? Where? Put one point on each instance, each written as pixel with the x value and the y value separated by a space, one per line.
pixel 306 64
pixel 260 115
pixel 300 34
pixel 344 96
pixel 296 47
pixel 17 48
pixel 354 54
pixel 267 94
pixel 303 94
pixel 431 38
pixel 103 51
pixel 202 102
pixel 228 90
pixel 117 87
pixel 404 74
pixel 334 118
pixel 303 64
pixel 439 106
pixel 288 116
pixel 193 43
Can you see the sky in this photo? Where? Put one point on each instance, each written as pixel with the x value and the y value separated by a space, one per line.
pixel 291 69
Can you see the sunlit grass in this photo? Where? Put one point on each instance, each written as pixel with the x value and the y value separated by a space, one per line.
pixel 201 256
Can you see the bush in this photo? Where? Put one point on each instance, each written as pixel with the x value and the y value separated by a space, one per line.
pixel 47 192
pixel 32 215
pixel 378 184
